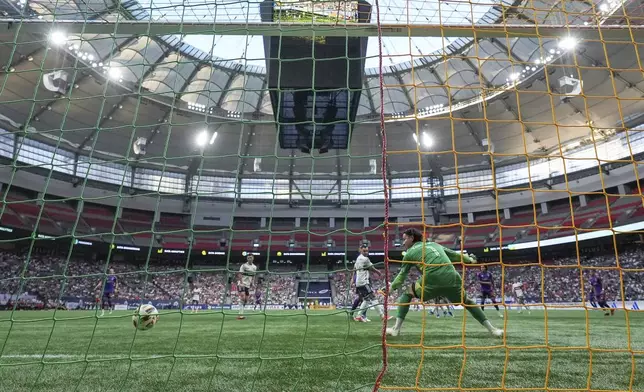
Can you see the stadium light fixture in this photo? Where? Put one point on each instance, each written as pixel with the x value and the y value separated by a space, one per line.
pixel 415 137
pixel 514 76
pixel 568 43
pixel 58 38
pixel 212 138
pixel 427 140
pixel 114 73
pixel 202 138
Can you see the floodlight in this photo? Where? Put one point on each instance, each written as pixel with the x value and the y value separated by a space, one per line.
pixel 213 137
pixel 415 137
pixel 427 140
pixel 58 38
pixel 114 73
pixel 514 76
pixel 568 43
pixel 202 138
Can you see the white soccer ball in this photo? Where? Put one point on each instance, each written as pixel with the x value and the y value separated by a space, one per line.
pixel 145 317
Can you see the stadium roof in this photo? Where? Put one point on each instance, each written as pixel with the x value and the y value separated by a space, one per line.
pixel 168 89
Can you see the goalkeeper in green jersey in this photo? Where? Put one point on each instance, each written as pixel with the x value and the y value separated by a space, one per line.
pixel 439 279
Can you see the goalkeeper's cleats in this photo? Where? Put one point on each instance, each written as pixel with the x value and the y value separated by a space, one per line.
pixel 497 333
pixel 392 332
pixel 240 317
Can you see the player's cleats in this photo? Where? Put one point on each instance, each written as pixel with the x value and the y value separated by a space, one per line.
pixel 392 332
pixel 497 333
pixel 241 317
pixel 360 319
pixel 388 318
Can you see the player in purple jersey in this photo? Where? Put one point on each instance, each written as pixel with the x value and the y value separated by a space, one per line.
pixel 486 280
pixel 598 294
pixel 258 298
pixel 110 288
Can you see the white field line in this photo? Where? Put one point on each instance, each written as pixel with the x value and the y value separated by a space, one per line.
pixel 79 356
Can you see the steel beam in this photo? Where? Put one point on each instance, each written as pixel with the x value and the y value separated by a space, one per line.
pixel 159 28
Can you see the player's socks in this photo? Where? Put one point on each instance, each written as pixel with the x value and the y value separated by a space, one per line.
pixel 363 308
pixel 354 306
pixel 403 309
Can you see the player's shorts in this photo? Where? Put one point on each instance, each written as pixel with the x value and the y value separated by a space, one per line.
pixel 107 295
pixel 195 302
pixel 242 289
pixel 487 294
pixel 449 294
pixel 365 292
pixel 258 301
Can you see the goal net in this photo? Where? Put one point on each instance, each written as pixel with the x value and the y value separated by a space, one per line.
pixel 227 162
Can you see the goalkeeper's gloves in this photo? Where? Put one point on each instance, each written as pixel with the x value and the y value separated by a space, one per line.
pixel 473 258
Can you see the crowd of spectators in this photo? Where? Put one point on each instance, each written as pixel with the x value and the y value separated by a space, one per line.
pixel 557 281
pixel 41 281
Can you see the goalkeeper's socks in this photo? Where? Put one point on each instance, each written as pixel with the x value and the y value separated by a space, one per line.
pixel 399 323
pixel 488 325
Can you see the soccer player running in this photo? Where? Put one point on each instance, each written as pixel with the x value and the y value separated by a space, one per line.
pixel 362 268
pixel 247 275
pixel 486 280
pixel 599 293
pixel 519 296
pixel 439 279
pixel 109 290
pixel 196 295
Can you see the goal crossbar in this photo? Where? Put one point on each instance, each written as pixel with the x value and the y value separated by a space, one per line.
pixel 139 27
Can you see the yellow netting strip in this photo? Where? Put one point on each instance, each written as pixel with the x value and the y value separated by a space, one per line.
pixel 564 12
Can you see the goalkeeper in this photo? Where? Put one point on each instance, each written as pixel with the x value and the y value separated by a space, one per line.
pixel 439 279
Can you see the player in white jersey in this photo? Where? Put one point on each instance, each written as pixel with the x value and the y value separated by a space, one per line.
pixel 246 278
pixel 519 296
pixel 362 267
pixel 196 296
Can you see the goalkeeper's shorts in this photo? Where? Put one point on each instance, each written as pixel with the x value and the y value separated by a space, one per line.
pixel 453 294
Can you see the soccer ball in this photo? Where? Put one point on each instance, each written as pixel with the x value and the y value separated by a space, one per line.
pixel 145 317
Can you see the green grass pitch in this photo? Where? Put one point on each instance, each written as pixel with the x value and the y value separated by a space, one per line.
pixel 318 351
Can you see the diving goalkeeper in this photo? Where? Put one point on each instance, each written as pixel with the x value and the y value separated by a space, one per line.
pixel 439 279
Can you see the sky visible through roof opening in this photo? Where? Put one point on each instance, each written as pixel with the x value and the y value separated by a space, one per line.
pixel 249 50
